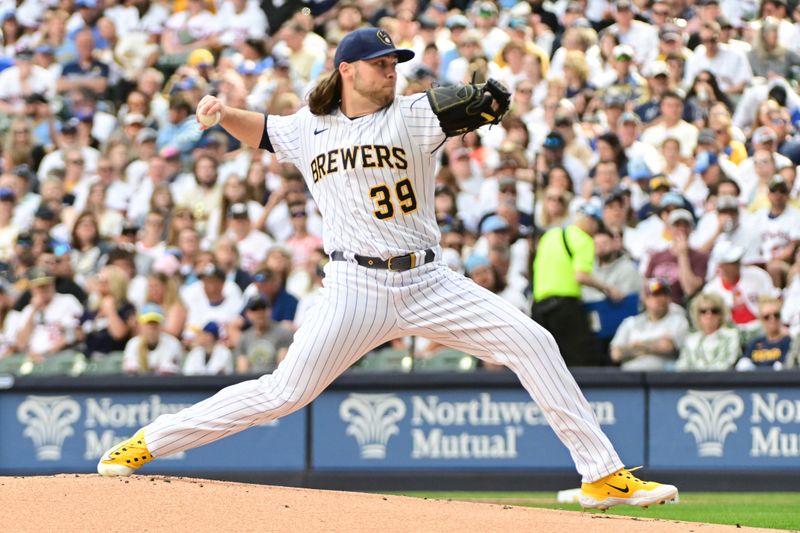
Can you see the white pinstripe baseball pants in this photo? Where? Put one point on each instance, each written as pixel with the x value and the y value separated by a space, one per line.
pixel 361 309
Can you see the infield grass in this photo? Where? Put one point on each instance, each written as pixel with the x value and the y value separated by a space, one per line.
pixel 777 510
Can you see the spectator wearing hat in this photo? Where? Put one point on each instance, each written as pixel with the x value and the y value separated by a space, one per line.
pixel 485 18
pixel 72 136
pixel 109 319
pixel 50 256
pixel 480 269
pixel 706 175
pixel 657 77
pixel 672 125
pixel 497 235
pixel 617 211
pixel 713 345
pixel 778 228
pixel 153 351
pixel 740 287
pixel 650 340
pixel 47 325
pixel 683 267
pixel 774 349
pixel 209 356
pixel 8 229
pixel 85 71
pixel 626 78
pixel 753 177
pixel 729 65
pixel 553 154
pixel 564 262
pixel 213 299
pixel 263 345
pixel 21 80
pixel 657 187
pixel 268 283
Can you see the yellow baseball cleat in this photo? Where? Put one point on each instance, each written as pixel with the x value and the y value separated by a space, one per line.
pixel 124 458
pixel 623 488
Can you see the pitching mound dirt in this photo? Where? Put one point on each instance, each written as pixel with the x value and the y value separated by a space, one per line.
pixel 70 502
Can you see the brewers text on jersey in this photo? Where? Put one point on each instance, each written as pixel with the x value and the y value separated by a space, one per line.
pixel 365 156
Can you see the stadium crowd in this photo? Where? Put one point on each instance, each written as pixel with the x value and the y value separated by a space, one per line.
pixel 640 199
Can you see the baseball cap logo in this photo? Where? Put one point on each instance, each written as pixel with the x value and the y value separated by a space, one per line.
pixel 384 38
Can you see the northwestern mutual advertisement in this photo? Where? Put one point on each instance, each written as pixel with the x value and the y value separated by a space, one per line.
pixel 733 429
pixel 69 433
pixel 460 429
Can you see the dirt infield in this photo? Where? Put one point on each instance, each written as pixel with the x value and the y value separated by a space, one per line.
pixel 71 502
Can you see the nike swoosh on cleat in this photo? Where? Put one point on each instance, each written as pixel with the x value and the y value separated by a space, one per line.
pixel 317 132
pixel 625 490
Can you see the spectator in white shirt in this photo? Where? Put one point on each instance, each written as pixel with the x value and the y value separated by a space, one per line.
pixel 251 243
pixel 47 324
pixel 740 287
pixel 779 231
pixel 672 124
pixel 729 65
pixel 152 351
pixel 650 340
pixel 241 20
pixel 22 80
pixel 209 357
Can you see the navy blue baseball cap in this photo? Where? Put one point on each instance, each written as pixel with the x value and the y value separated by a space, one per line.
pixel 368 43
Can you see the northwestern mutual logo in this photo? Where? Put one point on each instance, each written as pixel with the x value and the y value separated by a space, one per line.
pixel 48 421
pixel 710 417
pixel 372 421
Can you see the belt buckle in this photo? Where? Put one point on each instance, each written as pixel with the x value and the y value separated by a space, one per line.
pixel 412 263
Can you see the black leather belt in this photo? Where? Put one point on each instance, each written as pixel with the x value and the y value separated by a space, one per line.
pixel 398 263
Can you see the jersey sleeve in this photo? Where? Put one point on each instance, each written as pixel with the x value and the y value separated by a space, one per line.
pixel 282 137
pixel 422 123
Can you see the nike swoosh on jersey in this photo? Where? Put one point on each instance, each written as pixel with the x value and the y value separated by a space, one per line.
pixel 317 132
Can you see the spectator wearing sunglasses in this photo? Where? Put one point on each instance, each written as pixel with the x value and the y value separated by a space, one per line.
pixel 713 346
pixel 770 351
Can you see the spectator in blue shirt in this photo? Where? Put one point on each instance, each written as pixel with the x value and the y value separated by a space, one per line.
pixel 771 350
pixel 85 71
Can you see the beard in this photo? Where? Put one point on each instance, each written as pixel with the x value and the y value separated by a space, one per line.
pixel 381 96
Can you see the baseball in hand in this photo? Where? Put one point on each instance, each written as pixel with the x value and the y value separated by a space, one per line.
pixel 209 120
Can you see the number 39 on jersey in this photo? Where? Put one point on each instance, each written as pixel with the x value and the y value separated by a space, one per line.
pixel 385 199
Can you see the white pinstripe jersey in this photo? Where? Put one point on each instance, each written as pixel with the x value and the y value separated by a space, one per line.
pixel 372 177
